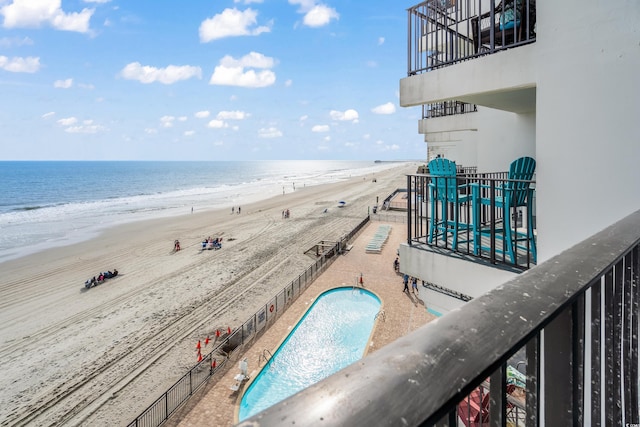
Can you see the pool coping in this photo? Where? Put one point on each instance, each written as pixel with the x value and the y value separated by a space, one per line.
pixel 247 385
pixel 214 404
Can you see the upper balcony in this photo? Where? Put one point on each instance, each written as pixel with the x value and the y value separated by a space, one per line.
pixel 445 32
pixel 442 33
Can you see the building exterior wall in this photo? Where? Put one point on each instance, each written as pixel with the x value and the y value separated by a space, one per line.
pixel 456 274
pixel 587 127
pixel 570 100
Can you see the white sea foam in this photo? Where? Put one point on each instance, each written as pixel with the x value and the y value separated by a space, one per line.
pixel 31 228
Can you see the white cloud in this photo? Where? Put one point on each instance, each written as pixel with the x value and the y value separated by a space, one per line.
pixel 202 114
pixel 48 115
pixel 167 121
pixel 380 41
pixel 6 42
pixel 288 83
pixel 315 14
pixel 348 115
pixel 33 14
pixel 151 131
pixel 182 118
pixel 86 86
pixel 320 128
pixel 67 121
pixel 169 75
pixel 270 132
pixel 232 115
pixel 248 1
pixel 85 128
pixel 217 124
pixel 17 64
pixel 63 84
pixel 231 71
pixel 303 119
pixel 96 1
pixel 319 16
pixel 388 108
pixel 231 22
pixel 189 132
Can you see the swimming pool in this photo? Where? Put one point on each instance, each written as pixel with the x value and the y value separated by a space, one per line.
pixel 331 335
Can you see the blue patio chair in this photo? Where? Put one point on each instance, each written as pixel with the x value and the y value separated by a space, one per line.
pixel 515 193
pixel 445 191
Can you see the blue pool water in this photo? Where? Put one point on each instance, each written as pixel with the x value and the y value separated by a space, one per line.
pixel 332 334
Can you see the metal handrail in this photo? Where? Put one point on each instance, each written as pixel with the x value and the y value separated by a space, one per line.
pixel 556 313
pixel 163 407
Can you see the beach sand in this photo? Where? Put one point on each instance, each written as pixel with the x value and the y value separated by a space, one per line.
pixel 72 356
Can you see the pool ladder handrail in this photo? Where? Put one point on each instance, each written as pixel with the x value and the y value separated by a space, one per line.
pixel 263 355
pixel 381 313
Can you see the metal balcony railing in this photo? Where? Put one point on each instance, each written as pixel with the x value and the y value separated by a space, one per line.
pixel 473 218
pixel 447 108
pixel 568 326
pixel 445 32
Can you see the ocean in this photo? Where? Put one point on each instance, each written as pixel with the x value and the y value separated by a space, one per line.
pixel 50 204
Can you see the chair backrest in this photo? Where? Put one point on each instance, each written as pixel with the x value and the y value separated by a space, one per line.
pixel 443 172
pixel 517 192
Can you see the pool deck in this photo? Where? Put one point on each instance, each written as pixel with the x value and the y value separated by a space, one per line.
pixel 215 404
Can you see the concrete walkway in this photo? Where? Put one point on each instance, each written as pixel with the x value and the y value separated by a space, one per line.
pixel 216 405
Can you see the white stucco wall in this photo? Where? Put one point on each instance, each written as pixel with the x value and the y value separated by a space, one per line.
pixel 459 275
pixel 588 119
pixel 503 137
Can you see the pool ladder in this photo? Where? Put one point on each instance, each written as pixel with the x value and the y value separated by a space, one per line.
pixel 381 314
pixel 266 355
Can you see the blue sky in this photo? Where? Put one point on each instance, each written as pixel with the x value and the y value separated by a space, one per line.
pixel 204 80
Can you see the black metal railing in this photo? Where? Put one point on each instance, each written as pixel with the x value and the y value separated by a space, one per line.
pixel 484 215
pixel 160 410
pixel 569 326
pixel 447 108
pixel 445 32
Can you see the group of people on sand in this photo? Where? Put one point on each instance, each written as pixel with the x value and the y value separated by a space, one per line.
pixel 210 243
pixel 176 245
pixel 286 213
pixel 101 277
pixel 233 209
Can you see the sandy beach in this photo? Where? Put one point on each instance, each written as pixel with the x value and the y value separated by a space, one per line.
pixel 72 356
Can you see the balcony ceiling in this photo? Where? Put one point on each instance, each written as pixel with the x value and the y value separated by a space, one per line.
pixel 521 100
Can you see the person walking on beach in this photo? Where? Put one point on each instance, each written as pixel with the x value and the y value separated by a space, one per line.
pixel 414 285
pixel 238 210
pixel 233 209
pixel 405 279
pixel 396 265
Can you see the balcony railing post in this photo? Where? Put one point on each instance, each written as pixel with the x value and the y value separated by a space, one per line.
pixel 557 371
pixel 409 208
pixel 596 346
pixel 577 351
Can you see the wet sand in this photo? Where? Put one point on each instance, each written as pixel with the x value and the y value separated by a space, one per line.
pixel 99 357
